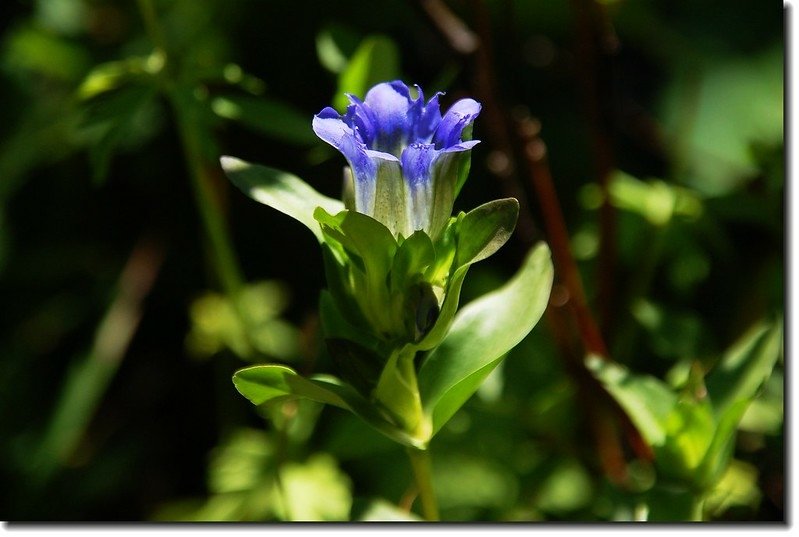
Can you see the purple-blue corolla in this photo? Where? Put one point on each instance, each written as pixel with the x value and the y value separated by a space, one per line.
pixel 403 155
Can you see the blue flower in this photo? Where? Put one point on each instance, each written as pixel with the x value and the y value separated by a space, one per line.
pixel 403 154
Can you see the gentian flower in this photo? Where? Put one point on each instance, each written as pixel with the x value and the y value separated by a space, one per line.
pixel 403 155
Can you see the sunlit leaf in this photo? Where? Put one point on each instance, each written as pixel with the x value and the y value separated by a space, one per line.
pixel 280 190
pixel 737 487
pixel 715 114
pixel 485 229
pixel 647 400
pixel 745 366
pixel 719 452
pixel 481 334
pixel 315 491
pixel 334 45
pixel 383 511
pixel 263 383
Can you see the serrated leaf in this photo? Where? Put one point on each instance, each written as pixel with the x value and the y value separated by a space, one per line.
pixel 270 117
pixel 480 336
pixel 280 190
pixel 485 229
pixel 375 60
pixel 745 366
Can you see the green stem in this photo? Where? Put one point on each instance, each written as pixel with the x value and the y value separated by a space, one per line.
pixel 422 471
pixel 224 258
pixel 697 508
pixel 150 17
pixel 202 172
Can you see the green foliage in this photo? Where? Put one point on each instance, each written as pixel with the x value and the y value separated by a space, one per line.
pixel 115 117
pixel 481 335
pixel 274 119
pixel 217 324
pixel 693 433
pixel 280 190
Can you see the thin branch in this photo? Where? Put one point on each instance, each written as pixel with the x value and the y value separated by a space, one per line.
pixel 458 34
pixel 535 152
pixel 597 44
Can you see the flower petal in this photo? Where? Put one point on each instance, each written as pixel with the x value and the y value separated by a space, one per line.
pixel 328 126
pixel 429 118
pixel 361 119
pixel 460 114
pixel 417 160
pixel 417 168
pixel 390 104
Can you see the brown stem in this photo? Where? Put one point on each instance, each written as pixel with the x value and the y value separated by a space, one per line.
pixel 568 291
pixel 457 33
pixel 596 46
pixel 501 160
pixel 535 152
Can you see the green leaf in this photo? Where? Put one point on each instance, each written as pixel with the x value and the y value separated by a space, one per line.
pixel 280 190
pixel 118 119
pixel 363 236
pixel 648 401
pixel 357 364
pixel 689 433
pixel 272 118
pixel 719 453
pixel 480 336
pixel 745 366
pixel 376 60
pixel 413 256
pixel 341 319
pixel 316 490
pixel 477 235
pixel 263 383
pixel 446 315
pixel 113 75
pixel 485 229
pixel 335 43
pixel 382 511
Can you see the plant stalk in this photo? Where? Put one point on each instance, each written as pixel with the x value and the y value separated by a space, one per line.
pixel 697 508
pixel 422 471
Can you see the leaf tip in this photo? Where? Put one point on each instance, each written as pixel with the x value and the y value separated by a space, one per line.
pixel 231 164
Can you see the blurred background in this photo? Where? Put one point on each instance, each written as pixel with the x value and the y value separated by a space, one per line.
pixel 659 124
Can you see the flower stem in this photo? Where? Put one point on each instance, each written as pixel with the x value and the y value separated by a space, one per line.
pixel 150 17
pixel 422 471
pixel 202 170
pixel 224 258
pixel 697 508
